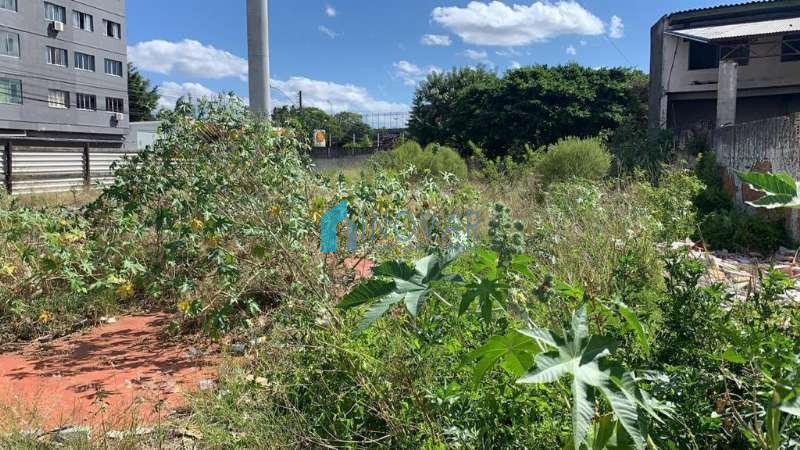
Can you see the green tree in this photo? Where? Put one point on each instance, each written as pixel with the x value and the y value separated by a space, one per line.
pixel 310 119
pixel 535 106
pixel 352 128
pixel 141 97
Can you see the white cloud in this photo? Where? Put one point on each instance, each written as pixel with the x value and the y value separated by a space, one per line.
pixel 330 11
pixel 342 97
pixel 584 43
pixel 411 74
pixel 171 92
pixel 441 40
pixel 188 57
pixel 507 53
pixel 571 50
pixel 515 65
pixel 477 55
pixel 328 32
pixel 616 28
pixel 496 23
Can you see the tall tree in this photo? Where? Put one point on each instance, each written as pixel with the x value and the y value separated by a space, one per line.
pixel 141 97
pixel 533 106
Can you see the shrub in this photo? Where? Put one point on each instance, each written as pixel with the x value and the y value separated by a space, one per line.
pixel 193 223
pixel 712 197
pixel 671 204
pixel 739 231
pixel 585 233
pixel 635 147
pixel 574 158
pixel 434 159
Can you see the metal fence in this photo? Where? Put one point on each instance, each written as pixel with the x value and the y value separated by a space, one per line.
pixel 34 167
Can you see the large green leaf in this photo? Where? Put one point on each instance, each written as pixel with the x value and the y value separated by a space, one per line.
pixel 635 325
pixel 582 357
pixel 367 292
pixel 487 292
pixel 780 190
pixel 514 352
pixel 397 282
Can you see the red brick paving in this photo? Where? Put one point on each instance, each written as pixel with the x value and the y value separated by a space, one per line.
pixel 112 376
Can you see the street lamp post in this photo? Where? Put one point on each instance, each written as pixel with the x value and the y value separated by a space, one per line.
pixel 258 56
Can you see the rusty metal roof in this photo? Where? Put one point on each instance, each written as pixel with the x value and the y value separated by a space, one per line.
pixel 739 30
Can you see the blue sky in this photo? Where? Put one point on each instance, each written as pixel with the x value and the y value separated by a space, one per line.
pixel 367 55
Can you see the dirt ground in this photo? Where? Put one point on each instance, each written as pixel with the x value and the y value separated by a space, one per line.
pixel 112 377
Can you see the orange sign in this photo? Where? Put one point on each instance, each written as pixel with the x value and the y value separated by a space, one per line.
pixel 319 138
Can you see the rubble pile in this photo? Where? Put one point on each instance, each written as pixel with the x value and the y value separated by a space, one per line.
pixel 739 273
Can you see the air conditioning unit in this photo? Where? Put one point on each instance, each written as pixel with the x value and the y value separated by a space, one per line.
pixel 119 116
pixel 57 26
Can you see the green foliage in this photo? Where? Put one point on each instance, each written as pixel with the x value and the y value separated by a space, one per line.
pixel 723 227
pixel 514 352
pixel 741 231
pixel 671 204
pixel 779 190
pixel 583 358
pixel 635 147
pixel 535 105
pixel 142 99
pixel 344 129
pixel 434 159
pixel 574 158
pixel 193 223
pixel 409 285
pixel 712 197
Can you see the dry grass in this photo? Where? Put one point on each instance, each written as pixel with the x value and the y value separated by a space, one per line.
pixel 71 199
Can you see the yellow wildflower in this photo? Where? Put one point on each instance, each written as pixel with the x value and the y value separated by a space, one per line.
pixel 184 305
pixel 8 269
pixel 275 210
pixel 196 224
pixel 44 317
pixel 125 290
pixel 212 241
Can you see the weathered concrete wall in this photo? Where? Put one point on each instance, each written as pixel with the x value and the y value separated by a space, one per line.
pixel 770 145
pixel 766 71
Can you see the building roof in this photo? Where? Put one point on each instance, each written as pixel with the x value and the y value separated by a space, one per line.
pixel 738 10
pixel 711 8
pixel 739 30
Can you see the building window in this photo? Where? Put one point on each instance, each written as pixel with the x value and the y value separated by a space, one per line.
pixel 113 68
pixel 116 105
pixel 82 21
pixel 703 56
pixel 86 101
pixel 58 99
pixel 55 13
pixel 10 91
pixel 790 48
pixel 9 44
pixel 113 29
pixel 84 61
pixel 10 5
pixel 57 56
pixel 735 51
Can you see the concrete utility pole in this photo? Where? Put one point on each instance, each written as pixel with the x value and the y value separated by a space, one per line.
pixel 258 56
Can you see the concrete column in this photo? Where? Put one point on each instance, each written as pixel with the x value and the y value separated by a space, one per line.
pixel 727 93
pixel 663 112
pixel 258 56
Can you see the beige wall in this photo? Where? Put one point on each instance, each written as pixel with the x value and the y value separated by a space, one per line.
pixel 768 72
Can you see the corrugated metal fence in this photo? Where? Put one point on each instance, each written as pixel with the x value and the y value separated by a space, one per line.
pixel 41 167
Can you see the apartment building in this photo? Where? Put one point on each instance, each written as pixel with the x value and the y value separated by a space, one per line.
pixel 63 69
pixel 725 65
